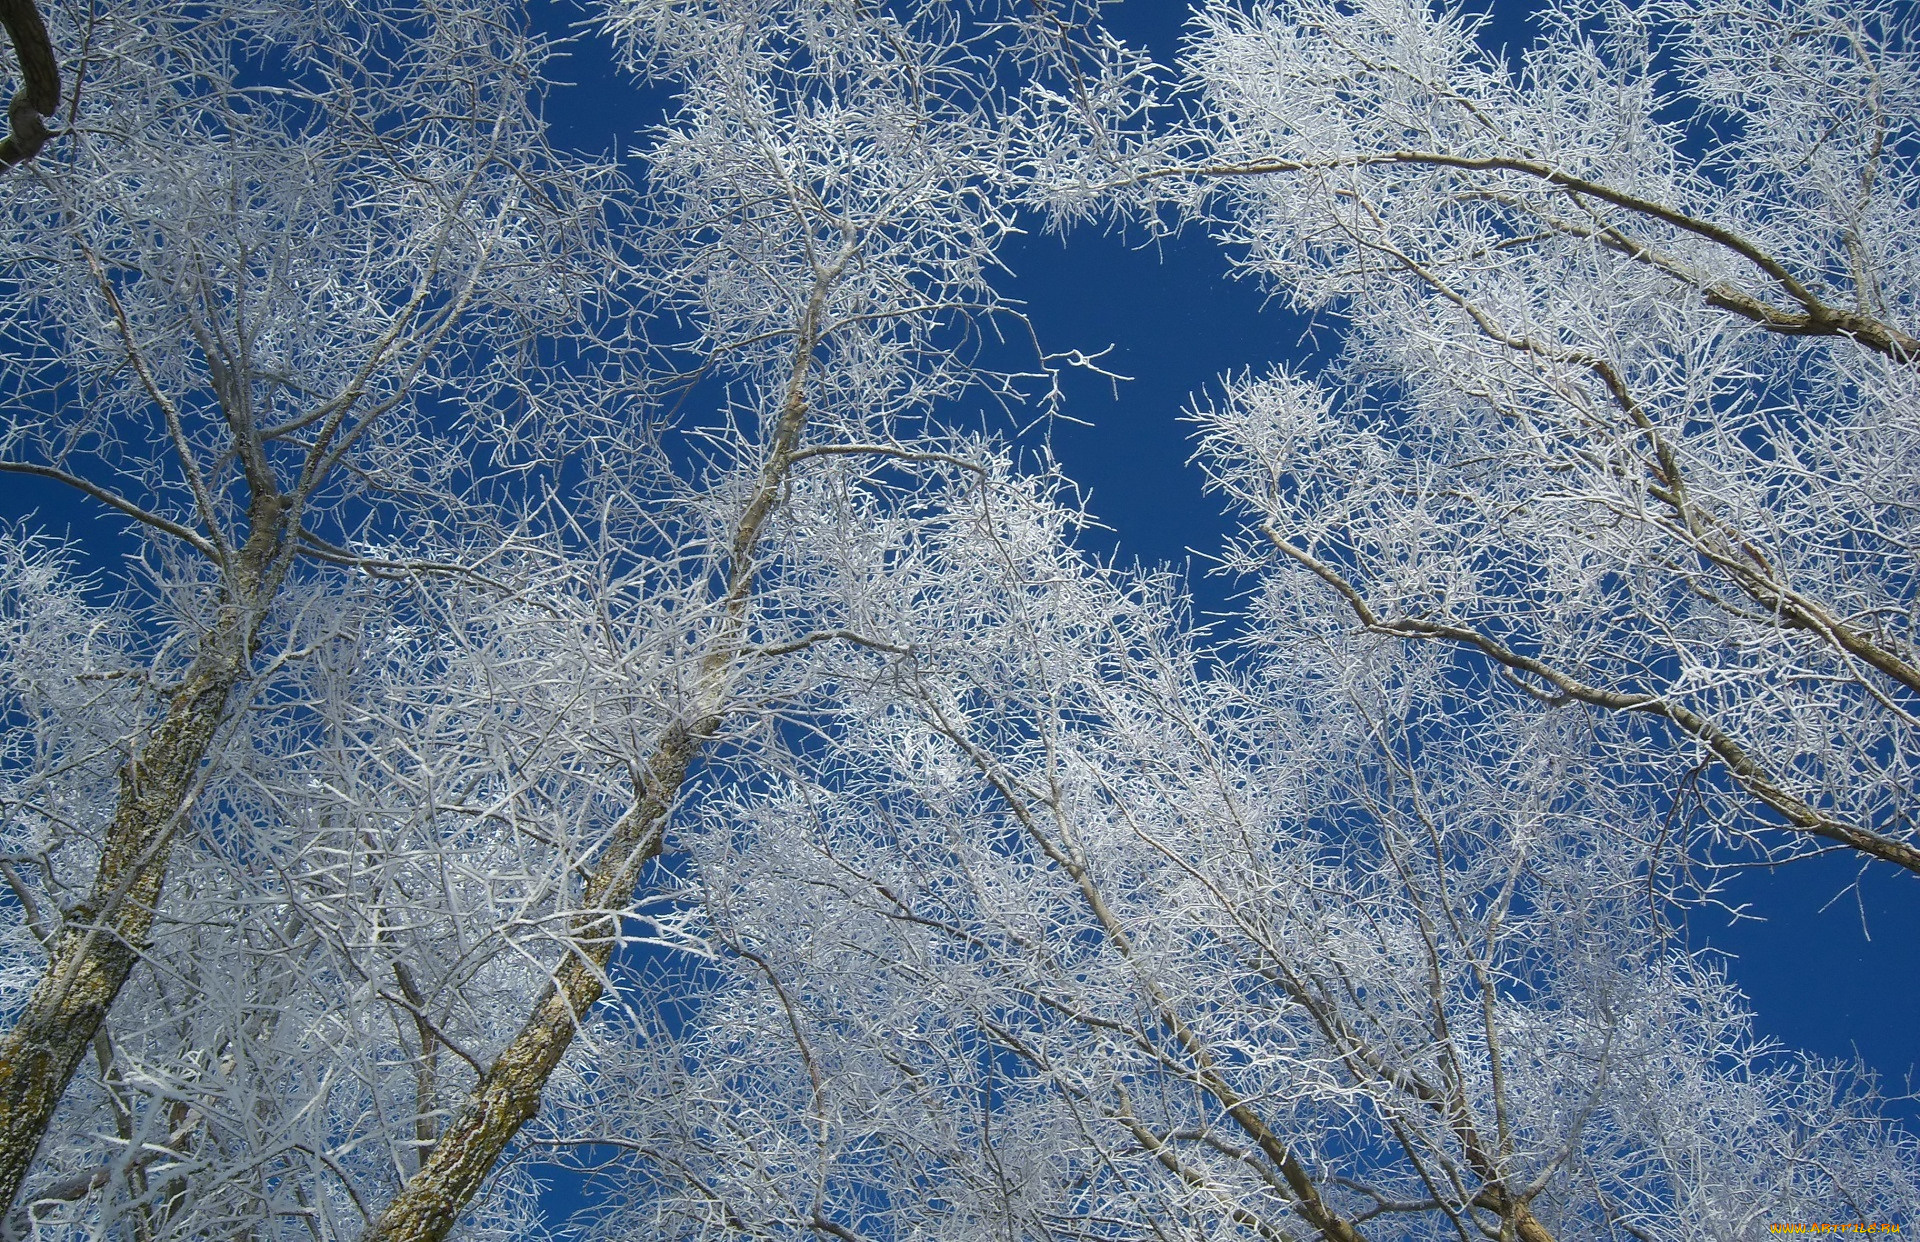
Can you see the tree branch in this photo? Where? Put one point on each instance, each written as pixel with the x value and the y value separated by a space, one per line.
pixel 114 501
pixel 39 94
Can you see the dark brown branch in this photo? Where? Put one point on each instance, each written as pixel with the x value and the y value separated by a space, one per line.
pixel 316 548
pixel 39 94
pixel 424 1073
pixel 113 500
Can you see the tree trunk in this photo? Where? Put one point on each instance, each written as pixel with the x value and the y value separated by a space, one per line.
pixel 101 938
pixel 508 1095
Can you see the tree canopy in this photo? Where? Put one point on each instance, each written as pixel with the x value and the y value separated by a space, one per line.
pixel 610 689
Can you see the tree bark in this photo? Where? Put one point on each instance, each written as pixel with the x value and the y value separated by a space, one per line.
pixel 39 93
pixel 508 1094
pixel 101 938
pixel 96 949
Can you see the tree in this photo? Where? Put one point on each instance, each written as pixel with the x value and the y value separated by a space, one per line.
pixel 272 241
pixel 1629 397
pixel 1071 930
pixel 1090 938
pixel 826 203
pixel 778 816
pixel 450 803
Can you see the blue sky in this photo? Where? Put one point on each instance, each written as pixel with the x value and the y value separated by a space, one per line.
pixel 1830 968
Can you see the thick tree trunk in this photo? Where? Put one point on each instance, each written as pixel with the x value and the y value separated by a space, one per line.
pixel 508 1096
pixel 97 947
pixel 101 938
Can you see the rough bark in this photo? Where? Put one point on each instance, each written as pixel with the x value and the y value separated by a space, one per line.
pixel 39 93
pixel 101 938
pixel 508 1094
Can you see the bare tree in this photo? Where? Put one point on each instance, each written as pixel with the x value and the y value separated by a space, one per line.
pixel 234 304
pixel 771 810
pixel 440 814
pixel 1629 396
pixel 1072 930
pixel 1087 935
pixel 449 807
